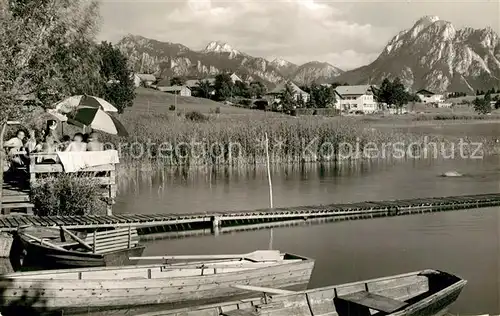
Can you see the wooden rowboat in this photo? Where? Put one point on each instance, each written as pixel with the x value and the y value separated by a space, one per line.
pixel 59 248
pixel 423 293
pixel 108 290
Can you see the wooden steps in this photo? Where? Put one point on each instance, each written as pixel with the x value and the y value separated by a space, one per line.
pixel 15 198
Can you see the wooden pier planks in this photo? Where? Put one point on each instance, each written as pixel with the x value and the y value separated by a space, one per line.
pixel 178 221
pixel 15 197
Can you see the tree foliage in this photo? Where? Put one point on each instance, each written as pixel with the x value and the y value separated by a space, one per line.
pixel 205 88
pixel 241 89
pixel 177 81
pixel 482 105
pixel 393 93
pixel 288 101
pixel 457 94
pixel 44 52
pixel 118 87
pixel 323 96
pixel 224 86
pixel 337 84
pixel 257 89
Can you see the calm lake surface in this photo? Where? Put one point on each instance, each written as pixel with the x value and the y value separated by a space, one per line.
pixel 466 243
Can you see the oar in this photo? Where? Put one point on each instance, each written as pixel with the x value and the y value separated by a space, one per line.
pixel 259 255
pixel 76 238
pixel 261 289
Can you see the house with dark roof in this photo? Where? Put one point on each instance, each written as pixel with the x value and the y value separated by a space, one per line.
pixel 194 86
pixel 184 91
pixel 275 94
pixel 357 98
pixel 147 79
pixel 427 96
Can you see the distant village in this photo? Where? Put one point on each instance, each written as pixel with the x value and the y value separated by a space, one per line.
pixel 349 99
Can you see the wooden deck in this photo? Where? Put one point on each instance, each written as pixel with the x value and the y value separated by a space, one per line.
pixel 255 219
pixel 16 195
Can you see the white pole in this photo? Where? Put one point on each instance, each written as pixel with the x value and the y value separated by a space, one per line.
pixel 270 188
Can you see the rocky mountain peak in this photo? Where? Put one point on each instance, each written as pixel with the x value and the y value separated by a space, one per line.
pixel 280 62
pixel 220 47
pixel 316 71
pixel 426 20
pixel 432 54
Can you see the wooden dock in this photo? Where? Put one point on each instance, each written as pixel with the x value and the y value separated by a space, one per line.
pixel 246 220
pixel 16 194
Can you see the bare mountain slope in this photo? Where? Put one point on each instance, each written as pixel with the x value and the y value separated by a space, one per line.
pixel 168 59
pixel 316 71
pixel 436 56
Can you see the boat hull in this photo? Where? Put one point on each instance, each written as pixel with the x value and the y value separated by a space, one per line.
pixel 437 306
pixel 179 288
pixel 424 295
pixel 39 257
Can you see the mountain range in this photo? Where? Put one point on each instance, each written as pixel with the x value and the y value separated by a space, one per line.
pixel 432 54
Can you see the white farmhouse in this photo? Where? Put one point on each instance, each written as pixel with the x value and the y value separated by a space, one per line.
pixel 427 96
pixel 147 79
pixel 356 98
pixel 234 78
pixel 179 90
pixel 136 79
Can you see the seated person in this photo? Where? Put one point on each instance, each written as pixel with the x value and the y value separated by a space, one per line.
pixel 48 147
pixel 16 142
pixel 94 144
pixel 51 130
pixel 31 145
pixel 14 146
pixel 77 144
pixel 66 140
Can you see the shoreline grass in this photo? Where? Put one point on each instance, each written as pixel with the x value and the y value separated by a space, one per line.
pixel 172 140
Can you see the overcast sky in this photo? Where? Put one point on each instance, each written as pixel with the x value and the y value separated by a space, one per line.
pixel 346 34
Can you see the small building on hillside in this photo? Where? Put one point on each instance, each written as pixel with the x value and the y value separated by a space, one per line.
pixel 357 98
pixel 147 79
pixel 275 94
pixel 136 79
pixel 427 96
pixel 179 90
pixel 194 86
pixel 235 78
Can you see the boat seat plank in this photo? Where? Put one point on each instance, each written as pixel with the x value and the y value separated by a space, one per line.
pixel 239 312
pixel 374 301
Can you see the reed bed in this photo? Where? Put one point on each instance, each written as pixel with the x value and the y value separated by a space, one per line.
pixel 225 140
pixel 456 117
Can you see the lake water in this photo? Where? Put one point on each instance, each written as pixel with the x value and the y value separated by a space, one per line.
pixel 466 243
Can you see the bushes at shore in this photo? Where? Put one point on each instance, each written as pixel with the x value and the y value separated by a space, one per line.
pixel 67 194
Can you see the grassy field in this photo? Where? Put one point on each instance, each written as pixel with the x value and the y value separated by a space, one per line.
pixel 153 101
